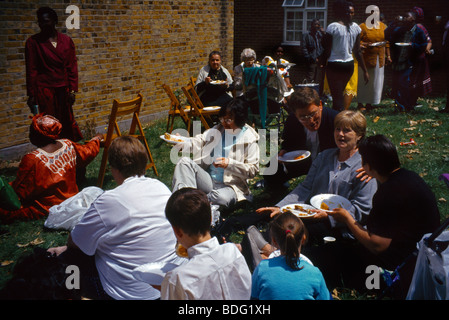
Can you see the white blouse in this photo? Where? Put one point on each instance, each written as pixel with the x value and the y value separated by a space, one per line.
pixel 342 41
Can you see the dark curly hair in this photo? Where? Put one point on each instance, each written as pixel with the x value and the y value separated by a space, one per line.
pixel 237 108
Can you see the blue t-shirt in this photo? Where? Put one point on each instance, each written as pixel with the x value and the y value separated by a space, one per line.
pixel 273 279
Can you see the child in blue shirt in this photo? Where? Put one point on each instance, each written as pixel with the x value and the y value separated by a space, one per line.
pixel 287 277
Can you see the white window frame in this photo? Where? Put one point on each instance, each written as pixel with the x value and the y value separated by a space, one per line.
pixel 304 9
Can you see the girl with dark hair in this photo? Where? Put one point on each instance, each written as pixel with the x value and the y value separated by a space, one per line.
pixel 287 276
pixel 224 158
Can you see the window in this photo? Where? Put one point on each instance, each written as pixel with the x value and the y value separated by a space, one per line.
pixel 298 15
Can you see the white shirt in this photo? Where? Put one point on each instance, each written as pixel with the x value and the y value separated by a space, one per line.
pixel 342 41
pixel 125 228
pixel 213 272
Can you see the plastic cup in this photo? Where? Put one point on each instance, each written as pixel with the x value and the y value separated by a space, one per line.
pixel 328 239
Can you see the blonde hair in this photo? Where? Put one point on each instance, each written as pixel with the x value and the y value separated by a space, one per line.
pixel 354 120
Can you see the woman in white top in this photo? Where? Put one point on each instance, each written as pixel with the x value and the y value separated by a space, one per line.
pixel 341 41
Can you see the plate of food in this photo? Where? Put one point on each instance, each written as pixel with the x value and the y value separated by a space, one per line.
pixel 173 138
pixel 288 93
pixel 329 202
pixel 300 210
pixel 377 44
pixel 212 108
pixel 294 156
pixel 403 44
pixel 153 273
pixel 215 82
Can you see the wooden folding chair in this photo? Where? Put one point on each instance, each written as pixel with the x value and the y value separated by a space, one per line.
pixel 198 107
pixel 193 81
pixel 176 110
pixel 120 109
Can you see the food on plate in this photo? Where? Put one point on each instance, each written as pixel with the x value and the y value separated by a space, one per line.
pixel 168 136
pixel 218 82
pixel 303 212
pixel 324 206
pixel 300 157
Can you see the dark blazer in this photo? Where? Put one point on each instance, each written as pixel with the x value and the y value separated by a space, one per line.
pixel 294 135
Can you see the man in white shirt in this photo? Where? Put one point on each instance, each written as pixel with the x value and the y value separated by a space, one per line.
pixel 214 271
pixel 125 227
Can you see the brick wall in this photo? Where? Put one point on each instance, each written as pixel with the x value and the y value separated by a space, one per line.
pixel 123 47
pixel 259 25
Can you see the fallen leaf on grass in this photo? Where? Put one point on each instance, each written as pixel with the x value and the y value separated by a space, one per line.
pixel 35 242
pixel 6 263
pixel 442 200
pixel 411 151
pixel 409 129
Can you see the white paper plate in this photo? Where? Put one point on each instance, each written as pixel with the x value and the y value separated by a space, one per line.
pixel 178 139
pixel 292 155
pixel 331 200
pixel 403 44
pixel 153 273
pixel 299 210
pixel 288 93
pixel 377 44
pixel 218 82
pixel 211 108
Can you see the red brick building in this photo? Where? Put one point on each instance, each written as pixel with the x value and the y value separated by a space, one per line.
pixel 264 24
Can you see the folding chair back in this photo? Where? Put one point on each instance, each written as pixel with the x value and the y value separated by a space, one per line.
pixel 120 109
pixel 176 110
pixel 198 107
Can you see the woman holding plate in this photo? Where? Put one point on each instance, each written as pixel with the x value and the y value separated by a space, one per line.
pixel 214 82
pixel 334 171
pixel 224 158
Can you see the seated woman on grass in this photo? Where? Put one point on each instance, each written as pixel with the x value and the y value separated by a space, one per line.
pixel 47 175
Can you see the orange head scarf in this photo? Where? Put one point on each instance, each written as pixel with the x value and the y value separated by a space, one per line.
pixel 47 126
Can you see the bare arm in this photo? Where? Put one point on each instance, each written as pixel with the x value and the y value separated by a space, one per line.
pixel 374 243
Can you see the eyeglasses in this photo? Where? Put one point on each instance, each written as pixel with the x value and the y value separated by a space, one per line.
pixel 227 121
pixel 308 117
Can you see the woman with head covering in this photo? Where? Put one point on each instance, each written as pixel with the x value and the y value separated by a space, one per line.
pixel 408 45
pixel 420 80
pixel 47 175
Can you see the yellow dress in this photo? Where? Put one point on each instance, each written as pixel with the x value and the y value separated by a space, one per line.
pixel 351 87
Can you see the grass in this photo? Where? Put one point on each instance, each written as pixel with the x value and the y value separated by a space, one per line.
pixel 429 157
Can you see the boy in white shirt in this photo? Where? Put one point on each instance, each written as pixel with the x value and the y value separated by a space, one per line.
pixel 214 271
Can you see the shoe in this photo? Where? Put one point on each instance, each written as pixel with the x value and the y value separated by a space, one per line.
pixel 260 184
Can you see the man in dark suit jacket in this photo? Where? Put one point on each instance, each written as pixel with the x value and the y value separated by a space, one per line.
pixel 310 126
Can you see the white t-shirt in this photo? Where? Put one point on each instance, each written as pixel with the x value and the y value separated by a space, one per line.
pixel 125 228
pixel 342 41
pixel 213 272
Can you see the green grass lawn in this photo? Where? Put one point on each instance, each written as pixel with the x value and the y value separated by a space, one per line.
pixel 429 157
